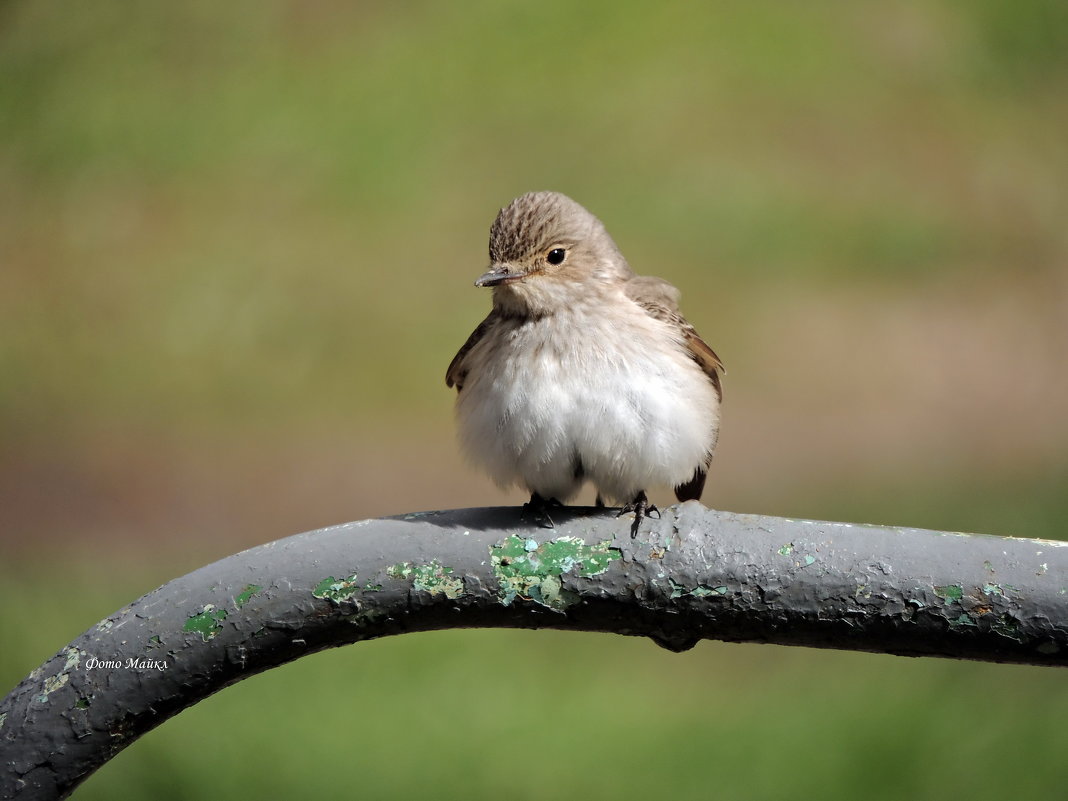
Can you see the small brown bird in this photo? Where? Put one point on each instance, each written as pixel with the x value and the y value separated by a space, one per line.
pixel 582 370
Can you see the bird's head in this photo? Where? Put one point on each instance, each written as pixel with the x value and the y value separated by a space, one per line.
pixel 545 248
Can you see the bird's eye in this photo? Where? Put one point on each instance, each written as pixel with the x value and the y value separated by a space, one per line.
pixel 556 256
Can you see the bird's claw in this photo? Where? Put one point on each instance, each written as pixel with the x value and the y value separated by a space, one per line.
pixel 538 507
pixel 642 509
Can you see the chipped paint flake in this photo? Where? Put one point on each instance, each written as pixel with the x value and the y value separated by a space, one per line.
pixel 788 549
pixel 52 683
pixel 207 622
pixel 700 591
pixel 432 577
pixel 336 590
pixel 911 607
pixel 532 571
pixel 73 658
pixel 961 622
pixel 3 719
pixel 246 594
pixel 950 592
pixel 1006 626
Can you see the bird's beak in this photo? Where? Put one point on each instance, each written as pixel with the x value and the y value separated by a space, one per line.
pixel 496 275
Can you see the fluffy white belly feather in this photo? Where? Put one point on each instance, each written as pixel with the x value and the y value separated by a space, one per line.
pixel 549 403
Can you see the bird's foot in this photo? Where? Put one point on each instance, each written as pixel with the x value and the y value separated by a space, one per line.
pixel 538 508
pixel 641 508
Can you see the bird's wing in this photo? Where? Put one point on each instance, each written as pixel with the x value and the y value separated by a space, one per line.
pixel 457 372
pixel 661 300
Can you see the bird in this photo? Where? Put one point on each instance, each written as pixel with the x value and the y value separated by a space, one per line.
pixel 583 370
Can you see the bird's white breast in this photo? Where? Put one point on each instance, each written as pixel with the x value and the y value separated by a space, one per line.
pixel 613 395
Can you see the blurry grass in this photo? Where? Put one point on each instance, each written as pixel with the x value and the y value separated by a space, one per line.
pixel 1028 505
pixel 531 715
pixel 262 219
pixel 536 715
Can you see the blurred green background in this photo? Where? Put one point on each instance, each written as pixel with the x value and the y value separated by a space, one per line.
pixel 237 246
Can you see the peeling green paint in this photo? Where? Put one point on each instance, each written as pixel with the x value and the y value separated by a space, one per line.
pixel 993 589
pixel 700 591
pixel 950 592
pixel 788 549
pixel 246 595
pixel 1006 626
pixel 206 623
pixel 154 641
pixel 367 615
pixel 960 622
pixel 82 703
pixel 53 683
pixel 74 658
pixel 336 590
pixel 532 571
pixel 372 588
pixel 433 577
